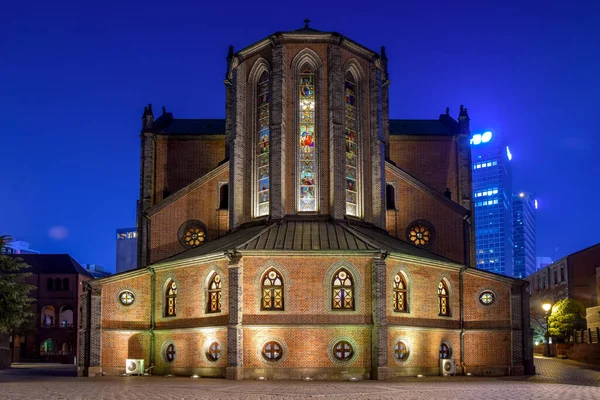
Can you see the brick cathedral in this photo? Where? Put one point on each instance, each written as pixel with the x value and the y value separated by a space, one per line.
pixel 307 235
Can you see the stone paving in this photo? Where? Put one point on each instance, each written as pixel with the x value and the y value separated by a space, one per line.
pixel 557 379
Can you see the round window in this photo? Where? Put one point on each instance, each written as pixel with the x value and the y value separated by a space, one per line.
pixel 192 234
pixel 170 352
pixel 420 233
pixel 487 298
pixel 214 351
pixel 401 351
pixel 126 297
pixel 343 350
pixel 272 351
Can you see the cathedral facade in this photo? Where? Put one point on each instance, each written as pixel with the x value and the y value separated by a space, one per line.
pixel 306 236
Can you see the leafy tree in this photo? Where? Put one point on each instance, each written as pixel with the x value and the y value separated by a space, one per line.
pixel 15 303
pixel 566 315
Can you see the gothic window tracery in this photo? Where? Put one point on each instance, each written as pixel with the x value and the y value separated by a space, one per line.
pixel 399 293
pixel 307 194
pixel 343 291
pixel 214 294
pixel 192 233
pixel 272 291
pixel 171 299
pixel 263 145
pixel 351 136
pixel 420 233
pixel 443 299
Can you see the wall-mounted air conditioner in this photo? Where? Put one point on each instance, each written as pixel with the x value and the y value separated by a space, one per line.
pixel 134 367
pixel 447 366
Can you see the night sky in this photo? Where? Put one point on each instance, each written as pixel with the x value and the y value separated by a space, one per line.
pixel 75 76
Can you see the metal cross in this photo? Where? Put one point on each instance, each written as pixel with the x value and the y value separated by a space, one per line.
pixel 306 22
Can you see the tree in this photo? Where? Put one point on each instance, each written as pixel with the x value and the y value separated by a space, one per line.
pixel 567 314
pixel 15 303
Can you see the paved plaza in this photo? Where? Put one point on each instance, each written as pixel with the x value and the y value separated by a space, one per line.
pixel 556 379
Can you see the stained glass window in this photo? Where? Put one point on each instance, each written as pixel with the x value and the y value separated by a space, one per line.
pixel 401 351
pixel 170 352
pixel 445 351
pixel 419 234
pixel 351 146
pixel 126 297
pixel 194 235
pixel 486 298
pixel 171 299
pixel 262 149
pixel 343 350
pixel 272 351
pixel 214 294
pixel 399 294
pixel 443 299
pixel 307 200
pixel 343 298
pixel 272 291
pixel 214 351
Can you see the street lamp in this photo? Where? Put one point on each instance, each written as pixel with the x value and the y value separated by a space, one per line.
pixel 547 307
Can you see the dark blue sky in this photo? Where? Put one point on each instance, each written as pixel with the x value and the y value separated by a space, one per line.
pixel 75 76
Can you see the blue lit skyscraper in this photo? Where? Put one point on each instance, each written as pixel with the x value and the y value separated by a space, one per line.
pixel 523 208
pixel 492 196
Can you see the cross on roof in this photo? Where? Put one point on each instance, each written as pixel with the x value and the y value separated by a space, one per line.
pixel 306 22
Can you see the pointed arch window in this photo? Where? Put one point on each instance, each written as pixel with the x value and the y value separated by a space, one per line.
pixel 343 291
pixel 443 299
pixel 351 133
pixel 272 291
pixel 399 294
pixel 171 299
pixel 214 294
pixel 263 145
pixel 307 196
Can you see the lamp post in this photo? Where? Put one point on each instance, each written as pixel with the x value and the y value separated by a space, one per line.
pixel 546 307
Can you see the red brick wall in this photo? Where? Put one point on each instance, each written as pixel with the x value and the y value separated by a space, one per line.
pixel 424 346
pixel 201 203
pixel 431 159
pixel 487 348
pixel 117 346
pixel 412 204
pixel 478 315
pixel 134 316
pixel 190 348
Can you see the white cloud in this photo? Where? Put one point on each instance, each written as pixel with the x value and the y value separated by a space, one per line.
pixel 58 232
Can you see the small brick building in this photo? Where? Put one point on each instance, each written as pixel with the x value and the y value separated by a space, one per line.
pixel 306 235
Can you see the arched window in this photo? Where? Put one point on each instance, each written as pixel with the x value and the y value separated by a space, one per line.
pixel 171 299
pixel 214 294
pixel 57 284
pixel 65 283
pixel 351 133
pixel 48 315
pixel 224 197
pixel 390 197
pixel 50 284
pixel 272 291
pixel 307 194
pixel 343 294
pixel 263 145
pixel 399 293
pixel 66 317
pixel 443 299
pixel 445 351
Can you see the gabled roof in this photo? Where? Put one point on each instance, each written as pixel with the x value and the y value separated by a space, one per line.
pixel 52 264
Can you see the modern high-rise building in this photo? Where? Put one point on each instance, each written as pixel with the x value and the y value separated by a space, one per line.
pixel 126 249
pixel 542 261
pixel 492 196
pixel 523 209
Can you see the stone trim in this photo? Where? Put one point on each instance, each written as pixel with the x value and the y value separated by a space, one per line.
pixel 401 269
pixel 206 347
pixel 404 363
pixel 162 296
pixel 358 284
pixel 486 306
pixel 163 352
pixel 206 276
pixel 355 350
pixel 257 287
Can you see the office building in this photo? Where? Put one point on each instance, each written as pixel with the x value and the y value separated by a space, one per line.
pixel 524 260
pixel 126 249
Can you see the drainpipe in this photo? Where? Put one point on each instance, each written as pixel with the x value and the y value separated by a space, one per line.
pixel 462 316
pixel 147 218
pixel 152 315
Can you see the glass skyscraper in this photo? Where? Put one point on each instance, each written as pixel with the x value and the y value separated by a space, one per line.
pixel 523 209
pixel 492 196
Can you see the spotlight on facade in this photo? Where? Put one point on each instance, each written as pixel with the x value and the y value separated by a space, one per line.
pixel 353 379
pixel 194 377
pixel 261 378
pixel 420 376
pixel 307 378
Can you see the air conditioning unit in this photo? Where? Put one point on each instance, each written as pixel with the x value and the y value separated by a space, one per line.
pixel 447 366
pixel 134 367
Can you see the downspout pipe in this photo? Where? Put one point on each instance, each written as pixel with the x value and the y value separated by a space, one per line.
pixel 462 316
pixel 152 316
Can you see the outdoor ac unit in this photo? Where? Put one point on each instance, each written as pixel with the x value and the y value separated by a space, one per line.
pixel 134 367
pixel 447 367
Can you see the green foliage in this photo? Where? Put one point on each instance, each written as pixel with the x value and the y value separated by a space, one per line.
pixel 15 303
pixel 566 315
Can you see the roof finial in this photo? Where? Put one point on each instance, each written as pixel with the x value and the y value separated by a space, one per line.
pixel 306 22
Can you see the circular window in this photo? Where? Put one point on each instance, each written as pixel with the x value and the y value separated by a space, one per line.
pixel 445 351
pixel 272 351
pixel 420 233
pixel 401 351
pixel 343 350
pixel 214 352
pixel 126 297
pixel 192 234
pixel 487 297
pixel 170 352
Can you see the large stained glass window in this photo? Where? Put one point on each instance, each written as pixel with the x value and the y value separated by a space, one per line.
pixel 351 146
pixel 262 149
pixel 343 298
pixel 272 291
pixel 308 160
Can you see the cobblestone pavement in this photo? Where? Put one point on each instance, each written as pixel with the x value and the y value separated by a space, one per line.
pixel 35 383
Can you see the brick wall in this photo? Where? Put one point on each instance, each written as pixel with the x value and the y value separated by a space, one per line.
pixel 424 347
pixel 134 316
